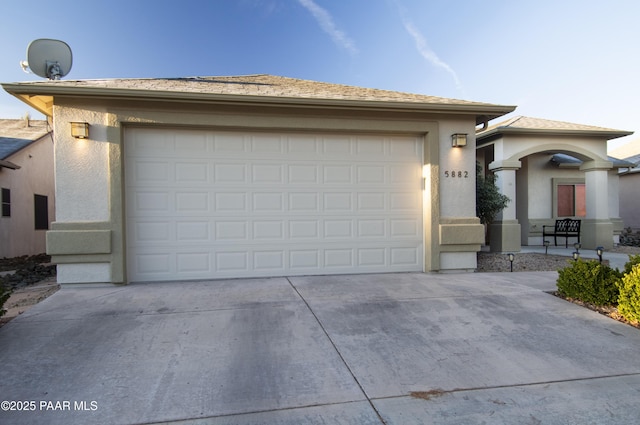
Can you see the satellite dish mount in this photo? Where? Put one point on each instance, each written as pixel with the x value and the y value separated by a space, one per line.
pixel 48 58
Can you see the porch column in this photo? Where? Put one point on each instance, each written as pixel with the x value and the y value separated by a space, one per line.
pixel 504 232
pixel 597 228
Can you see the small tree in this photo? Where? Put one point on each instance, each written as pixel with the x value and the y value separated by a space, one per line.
pixel 489 200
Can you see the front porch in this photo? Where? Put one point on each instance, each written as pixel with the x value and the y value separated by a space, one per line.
pixel 551 170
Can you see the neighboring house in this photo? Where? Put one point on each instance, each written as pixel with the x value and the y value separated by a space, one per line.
pixel 552 170
pixel 629 184
pixel 259 175
pixel 27 186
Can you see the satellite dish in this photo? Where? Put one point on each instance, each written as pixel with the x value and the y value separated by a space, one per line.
pixel 48 58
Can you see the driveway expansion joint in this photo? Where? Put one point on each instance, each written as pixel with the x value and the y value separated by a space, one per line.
pixel 335 347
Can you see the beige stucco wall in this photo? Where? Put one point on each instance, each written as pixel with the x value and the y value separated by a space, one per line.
pixel 36 176
pixel 630 200
pixel 461 234
pixel 82 167
pixel 90 176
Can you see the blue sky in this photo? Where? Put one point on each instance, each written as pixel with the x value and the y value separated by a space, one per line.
pixel 575 61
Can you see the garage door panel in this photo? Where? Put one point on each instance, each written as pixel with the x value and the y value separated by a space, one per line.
pixel 374 146
pixel 241 205
pixel 404 256
pixel 405 201
pixel 303 174
pixel 337 174
pixel 269 262
pixel 404 175
pixel 336 146
pixel 193 231
pixel 153 232
pixel 371 174
pixel 193 173
pixel 250 260
pixel 267 174
pixel 338 229
pixel 303 202
pixel 268 230
pixel 403 147
pixel 226 202
pixel 231 230
pixel 234 261
pixel 269 202
pixel 150 201
pixel 267 143
pixel 228 143
pixel 230 173
pixel 193 262
pixel 339 202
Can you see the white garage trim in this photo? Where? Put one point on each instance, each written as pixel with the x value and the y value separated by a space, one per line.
pixel 213 204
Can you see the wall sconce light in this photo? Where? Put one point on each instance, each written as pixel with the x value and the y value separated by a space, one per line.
pixel 458 140
pixel 80 130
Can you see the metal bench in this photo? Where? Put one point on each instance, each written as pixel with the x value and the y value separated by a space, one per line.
pixel 565 228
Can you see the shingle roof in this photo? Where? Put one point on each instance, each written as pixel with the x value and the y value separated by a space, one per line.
pixel 254 87
pixel 521 124
pixel 258 85
pixel 635 159
pixel 15 135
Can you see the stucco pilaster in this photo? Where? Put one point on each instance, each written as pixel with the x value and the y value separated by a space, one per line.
pixel 597 228
pixel 504 232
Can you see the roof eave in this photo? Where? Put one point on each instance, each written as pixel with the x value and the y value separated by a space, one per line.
pixel 605 134
pixel 41 97
pixel 9 164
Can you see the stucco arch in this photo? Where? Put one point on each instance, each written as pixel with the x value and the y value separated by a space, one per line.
pixel 582 154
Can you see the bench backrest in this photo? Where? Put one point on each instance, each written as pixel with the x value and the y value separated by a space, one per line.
pixel 568 225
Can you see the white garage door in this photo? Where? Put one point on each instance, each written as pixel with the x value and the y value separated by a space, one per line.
pixel 204 204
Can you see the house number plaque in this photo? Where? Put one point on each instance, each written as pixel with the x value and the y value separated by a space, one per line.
pixel 456 174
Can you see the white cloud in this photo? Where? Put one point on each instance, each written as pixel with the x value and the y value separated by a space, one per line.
pixel 428 54
pixel 325 21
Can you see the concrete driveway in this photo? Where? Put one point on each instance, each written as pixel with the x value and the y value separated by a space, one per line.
pixel 368 349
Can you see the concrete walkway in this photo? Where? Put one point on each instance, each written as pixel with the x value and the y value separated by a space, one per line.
pixel 405 348
pixel 616 260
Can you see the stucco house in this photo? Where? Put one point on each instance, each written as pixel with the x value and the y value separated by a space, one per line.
pixel 629 184
pixel 552 170
pixel 258 175
pixel 27 186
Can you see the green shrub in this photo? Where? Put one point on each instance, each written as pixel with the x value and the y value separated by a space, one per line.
pixel 589 281
pixel 4 296
pixel 629 300
pixel 633 260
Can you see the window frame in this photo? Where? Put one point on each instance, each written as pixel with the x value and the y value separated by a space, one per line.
pixel 554 197
pixel 5 199
pixel 40 212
